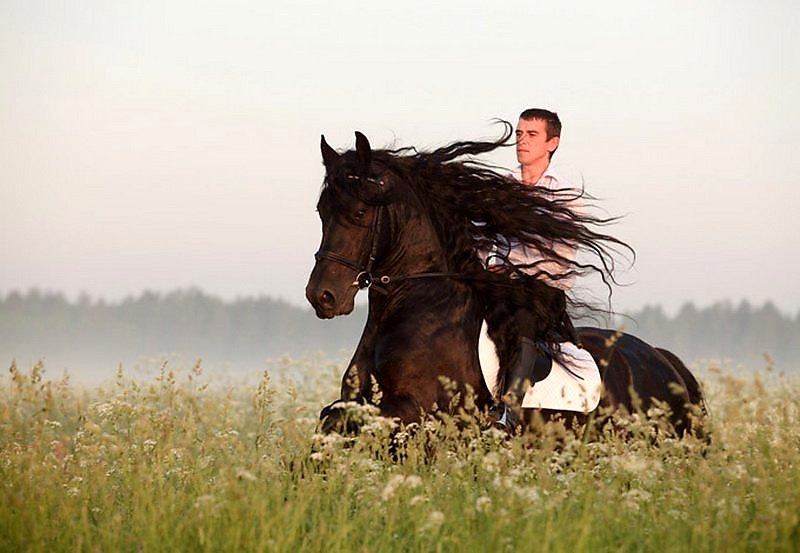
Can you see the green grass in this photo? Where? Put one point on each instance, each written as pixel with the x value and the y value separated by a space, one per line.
pixel 173 464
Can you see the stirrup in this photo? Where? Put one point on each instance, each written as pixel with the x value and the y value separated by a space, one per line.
pixel 507 421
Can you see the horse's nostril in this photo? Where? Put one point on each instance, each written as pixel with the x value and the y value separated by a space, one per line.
pixel 326 298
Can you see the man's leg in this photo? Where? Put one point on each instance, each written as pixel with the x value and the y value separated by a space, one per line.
pixel 531 364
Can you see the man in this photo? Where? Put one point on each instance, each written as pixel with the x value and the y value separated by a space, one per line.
pixel 538 135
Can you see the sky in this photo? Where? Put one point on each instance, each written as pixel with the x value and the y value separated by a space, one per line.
pixel 163 145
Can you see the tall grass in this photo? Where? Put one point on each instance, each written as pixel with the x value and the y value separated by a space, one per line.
pixel 173 464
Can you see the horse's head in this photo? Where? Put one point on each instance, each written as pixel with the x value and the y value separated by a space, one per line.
pixel 351 207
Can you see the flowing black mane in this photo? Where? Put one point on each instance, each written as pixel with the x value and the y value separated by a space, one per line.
pixel 470 203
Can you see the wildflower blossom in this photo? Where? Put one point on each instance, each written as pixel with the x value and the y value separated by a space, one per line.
pixel 399 481
pixel 633 499
pixel 491 462
pixel 435 520
pixel 527 494
pixel 392 486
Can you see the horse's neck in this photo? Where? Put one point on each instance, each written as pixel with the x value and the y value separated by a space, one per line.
pixel 416 249
pixel 414 245
pixel 435 316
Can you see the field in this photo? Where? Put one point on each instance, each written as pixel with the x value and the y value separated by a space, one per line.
pixel 181 462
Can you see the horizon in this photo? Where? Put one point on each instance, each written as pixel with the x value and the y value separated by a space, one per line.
pixel 360 306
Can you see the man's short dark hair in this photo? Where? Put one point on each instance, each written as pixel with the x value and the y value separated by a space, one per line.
pixel 552 122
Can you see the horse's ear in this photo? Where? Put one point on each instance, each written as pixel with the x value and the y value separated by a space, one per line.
pixel 364 151
pixel 329 155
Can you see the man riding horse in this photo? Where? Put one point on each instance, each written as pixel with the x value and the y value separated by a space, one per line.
pixel 538 134
pixel 406 225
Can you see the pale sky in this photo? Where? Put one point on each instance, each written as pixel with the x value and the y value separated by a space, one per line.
pixel 153 145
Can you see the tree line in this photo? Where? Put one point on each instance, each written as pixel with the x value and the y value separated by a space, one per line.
pixel 246 332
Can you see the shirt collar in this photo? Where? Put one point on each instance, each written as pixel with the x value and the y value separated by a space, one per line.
pixel 550 172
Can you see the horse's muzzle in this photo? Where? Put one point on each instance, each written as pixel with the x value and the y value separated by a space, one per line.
pixel 329 303
pixel 323 302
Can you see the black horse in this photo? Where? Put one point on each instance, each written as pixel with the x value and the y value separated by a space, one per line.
pixel 406 225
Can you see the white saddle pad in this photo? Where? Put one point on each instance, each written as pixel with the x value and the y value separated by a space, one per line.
pixel 576 387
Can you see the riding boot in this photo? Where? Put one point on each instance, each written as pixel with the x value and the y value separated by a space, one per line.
pixel 529 366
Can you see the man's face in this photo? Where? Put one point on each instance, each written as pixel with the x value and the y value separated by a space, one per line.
pixel 532 142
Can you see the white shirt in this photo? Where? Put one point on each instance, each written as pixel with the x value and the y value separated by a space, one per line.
pixel 520 254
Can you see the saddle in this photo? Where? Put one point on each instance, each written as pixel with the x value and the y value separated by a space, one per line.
pixel 574 385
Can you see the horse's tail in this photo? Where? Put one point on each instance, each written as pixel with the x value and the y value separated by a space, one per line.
pixel 693 391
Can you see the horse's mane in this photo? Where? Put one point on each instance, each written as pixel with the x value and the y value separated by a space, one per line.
pixel 471 202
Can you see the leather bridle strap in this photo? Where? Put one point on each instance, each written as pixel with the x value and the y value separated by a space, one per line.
pixel 340 259
pixel 362 268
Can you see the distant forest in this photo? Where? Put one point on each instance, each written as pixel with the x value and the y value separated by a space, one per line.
pixel 246 334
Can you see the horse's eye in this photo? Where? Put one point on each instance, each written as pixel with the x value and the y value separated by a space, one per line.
pixel 360 213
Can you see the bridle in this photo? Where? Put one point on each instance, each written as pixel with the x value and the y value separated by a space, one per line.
pixel 363 267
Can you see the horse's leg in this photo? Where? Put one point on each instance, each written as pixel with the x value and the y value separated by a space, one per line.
pixel 650 378
pixel 356 383
pixel 401 407
pixel 696 406
pixel 337 418
pixel 357 378
pixel 346 419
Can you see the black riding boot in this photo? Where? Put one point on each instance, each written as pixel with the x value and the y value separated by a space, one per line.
pixel 530 365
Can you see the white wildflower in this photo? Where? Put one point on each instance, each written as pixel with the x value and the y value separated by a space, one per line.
pixel 318 456
pixel 491 462
pixel 635 465
pixel 483 504
pixel 330 440
pixel 413 481
pixel 392 486
pixel 435 520
pixel 399 481
pixel 632 499
pixel 677 515
pixel 379 425
pixel 103 410
pixel 527 494
pixel 503 482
